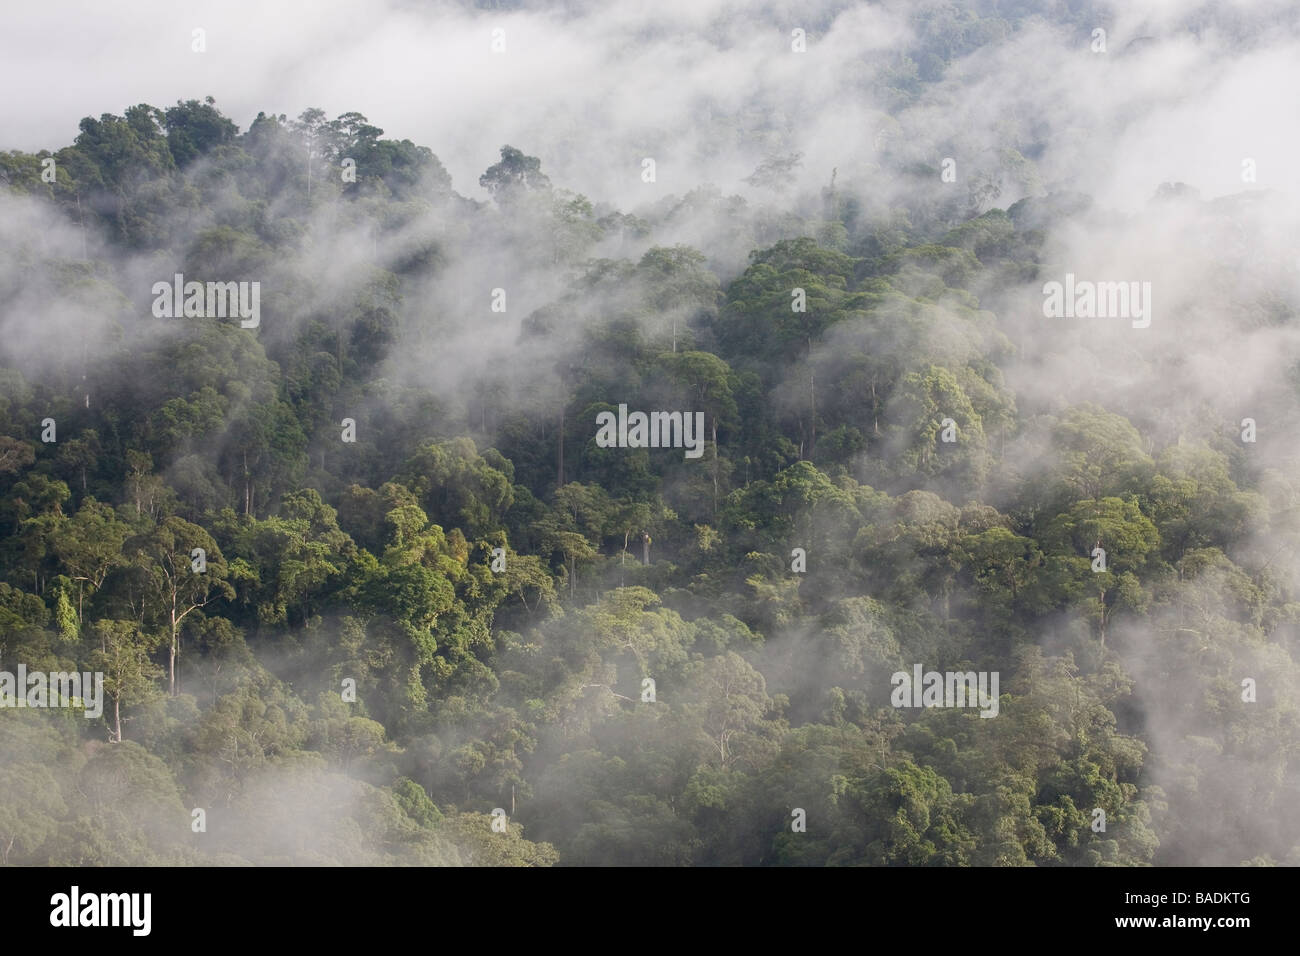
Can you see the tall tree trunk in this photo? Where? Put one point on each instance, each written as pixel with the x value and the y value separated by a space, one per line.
pixel 559 453
pixel 875 407
pixel 715 466
pixel 174 653
pixel 1104 613
pixel 81 219
pixel 812 400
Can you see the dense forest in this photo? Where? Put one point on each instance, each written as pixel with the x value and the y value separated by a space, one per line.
pixel 365 588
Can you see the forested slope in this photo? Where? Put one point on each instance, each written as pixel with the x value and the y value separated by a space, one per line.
pixel 429 593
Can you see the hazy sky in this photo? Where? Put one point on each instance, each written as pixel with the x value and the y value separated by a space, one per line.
pixel 593 88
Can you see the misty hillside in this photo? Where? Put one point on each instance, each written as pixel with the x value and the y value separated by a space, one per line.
pixel 574 477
